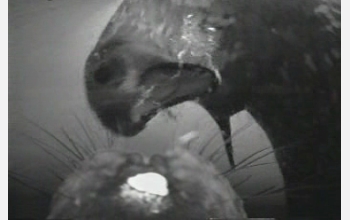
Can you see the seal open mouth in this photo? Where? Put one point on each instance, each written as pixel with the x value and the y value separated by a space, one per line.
pixel 167 84
pixel 151 55
pixel 126 91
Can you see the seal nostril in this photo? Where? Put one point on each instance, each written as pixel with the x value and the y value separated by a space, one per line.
pixel 103 75
pixel 109 72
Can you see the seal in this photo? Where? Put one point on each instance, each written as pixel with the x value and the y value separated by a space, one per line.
pixel 138 65
pixel 154 54
pixel 280 60
pixel 114 185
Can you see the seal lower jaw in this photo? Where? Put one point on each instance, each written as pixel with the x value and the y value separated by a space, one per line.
pixel 169 84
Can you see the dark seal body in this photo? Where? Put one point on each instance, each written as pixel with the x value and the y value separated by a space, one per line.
pixel 99 190
pixel 278 59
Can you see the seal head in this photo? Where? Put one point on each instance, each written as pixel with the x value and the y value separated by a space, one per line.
pixel 153 54
pixel 113 185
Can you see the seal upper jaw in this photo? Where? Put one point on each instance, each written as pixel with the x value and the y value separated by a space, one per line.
pixel 168 84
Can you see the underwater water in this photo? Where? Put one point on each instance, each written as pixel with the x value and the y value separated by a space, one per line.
pixel 49 42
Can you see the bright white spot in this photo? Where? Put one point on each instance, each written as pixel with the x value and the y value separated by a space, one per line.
pixel 152 183
pixel 213 29
pixel 218 76
pixel 184 139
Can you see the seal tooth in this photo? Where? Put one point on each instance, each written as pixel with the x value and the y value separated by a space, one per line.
pixel 218 76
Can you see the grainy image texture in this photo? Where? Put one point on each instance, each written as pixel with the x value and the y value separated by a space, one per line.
pixel 88 74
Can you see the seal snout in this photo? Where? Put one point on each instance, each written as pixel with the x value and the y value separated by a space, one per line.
pixel 128 84
pixel 109 72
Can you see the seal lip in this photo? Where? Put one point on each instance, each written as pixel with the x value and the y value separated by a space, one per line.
pixel 168 84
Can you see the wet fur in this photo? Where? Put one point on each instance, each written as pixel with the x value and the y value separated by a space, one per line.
pixel 280 60
pixel 75 158
pixel 196 192
pixel 319 121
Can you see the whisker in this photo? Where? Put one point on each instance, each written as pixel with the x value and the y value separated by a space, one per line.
pixel 93 144
pixel 42 146
pixel 214 154
pixel 258 158
pixel 242 128
pixel 208 142
pixel 42 143
pixel 64 145
pixel 264 191
pixel 211 156
pixel 82 142
pixel 254 165
pixel 241 182
pixel 110 140
pixel 73 144
pixel 244 160
pixel 218 156
pixel 54 173
pixel 17 177
pixel 229 140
